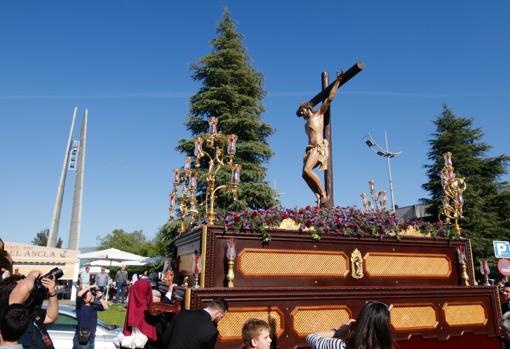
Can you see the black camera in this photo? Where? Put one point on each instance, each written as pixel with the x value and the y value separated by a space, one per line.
pixel 54 274
pixel 93 291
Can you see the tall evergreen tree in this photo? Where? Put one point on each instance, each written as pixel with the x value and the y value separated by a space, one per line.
pixel 486 205
pixel 232 91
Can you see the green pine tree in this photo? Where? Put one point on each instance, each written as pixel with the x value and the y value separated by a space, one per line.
pixel 486 205
pixel 232 91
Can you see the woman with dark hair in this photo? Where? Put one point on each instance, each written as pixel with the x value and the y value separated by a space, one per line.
pixel 88 303
pixel 371 330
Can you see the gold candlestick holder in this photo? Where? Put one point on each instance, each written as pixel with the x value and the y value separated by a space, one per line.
pixel 464 275
pixel 461 255
pixel 230 273
pixel 231 256
pixel 453 189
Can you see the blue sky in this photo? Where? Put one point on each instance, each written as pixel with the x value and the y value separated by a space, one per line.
pixel 128 63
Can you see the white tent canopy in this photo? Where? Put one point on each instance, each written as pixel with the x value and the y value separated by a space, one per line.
pixel 111 263
pixel 111 254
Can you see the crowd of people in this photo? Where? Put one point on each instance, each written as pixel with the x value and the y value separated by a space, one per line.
pixel 116 288
pixel 23 320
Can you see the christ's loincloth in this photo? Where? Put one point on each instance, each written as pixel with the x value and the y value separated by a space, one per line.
pixel 322 149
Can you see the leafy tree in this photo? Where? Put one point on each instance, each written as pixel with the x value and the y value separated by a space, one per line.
pixel 486 205
pixel 41 239
pixel 134 242
pixel 165 238
pixel 232 91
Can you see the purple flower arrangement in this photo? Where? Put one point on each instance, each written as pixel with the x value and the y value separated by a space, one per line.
pixel 347 221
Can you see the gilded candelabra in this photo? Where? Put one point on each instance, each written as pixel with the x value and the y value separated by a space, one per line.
pixel 453 201
pixel 216 159
pixel 187 202
pixel 379 199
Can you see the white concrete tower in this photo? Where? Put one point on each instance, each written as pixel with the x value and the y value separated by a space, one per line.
pixel 74 232
pixel 55 220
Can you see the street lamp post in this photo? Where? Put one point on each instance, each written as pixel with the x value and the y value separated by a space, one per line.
pixel 385 153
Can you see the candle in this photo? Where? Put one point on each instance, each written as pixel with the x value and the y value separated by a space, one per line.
pixel 172 199
pixel 236 173
pixel 371 185
pixel 447 159
pixel 232 140
pixel 213 122
pixel 193 180
pixel 383 198
pixel 198 146
pixel 187 163
pixel 460 198
pixel 231 248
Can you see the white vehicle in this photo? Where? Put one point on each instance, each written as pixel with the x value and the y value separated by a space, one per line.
pixel 62 331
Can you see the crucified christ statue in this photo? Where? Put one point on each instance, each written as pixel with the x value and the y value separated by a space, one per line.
pixel 317 151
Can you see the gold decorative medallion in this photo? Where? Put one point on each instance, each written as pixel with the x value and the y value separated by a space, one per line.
pixel 290 224
pixel 356 264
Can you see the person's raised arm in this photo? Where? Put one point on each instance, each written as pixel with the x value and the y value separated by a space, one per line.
pixel 84 290
pixel 21 292
pixel 332 93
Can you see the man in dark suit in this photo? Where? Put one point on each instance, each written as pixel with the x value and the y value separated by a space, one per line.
pixel 196 329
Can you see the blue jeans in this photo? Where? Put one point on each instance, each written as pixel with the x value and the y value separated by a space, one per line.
pixel 89 345
pixel 120 288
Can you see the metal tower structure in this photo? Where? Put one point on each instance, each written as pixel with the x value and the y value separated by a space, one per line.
pixel 74 160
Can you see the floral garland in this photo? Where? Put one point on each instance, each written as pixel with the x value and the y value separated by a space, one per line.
pixel 347 221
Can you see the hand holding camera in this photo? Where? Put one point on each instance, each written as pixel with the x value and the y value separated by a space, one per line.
pixel 45 284
pixel 50 285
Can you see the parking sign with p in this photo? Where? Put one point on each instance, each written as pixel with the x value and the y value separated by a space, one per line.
pixel 501 249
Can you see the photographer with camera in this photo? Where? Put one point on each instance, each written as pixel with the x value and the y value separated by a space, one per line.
pixel 88 302
pixel 30 292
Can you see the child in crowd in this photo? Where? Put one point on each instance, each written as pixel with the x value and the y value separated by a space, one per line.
pixel 256 334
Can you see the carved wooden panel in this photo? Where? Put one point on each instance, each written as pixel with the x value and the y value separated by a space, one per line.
pixel 410 317
pixel 418 265
pixel 230 327
pixel 465 314
pixel 255 262
pixel 309 319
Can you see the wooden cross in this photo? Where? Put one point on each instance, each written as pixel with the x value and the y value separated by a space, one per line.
pixel 328 174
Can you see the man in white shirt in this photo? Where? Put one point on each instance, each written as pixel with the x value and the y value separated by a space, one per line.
pixel 84 278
